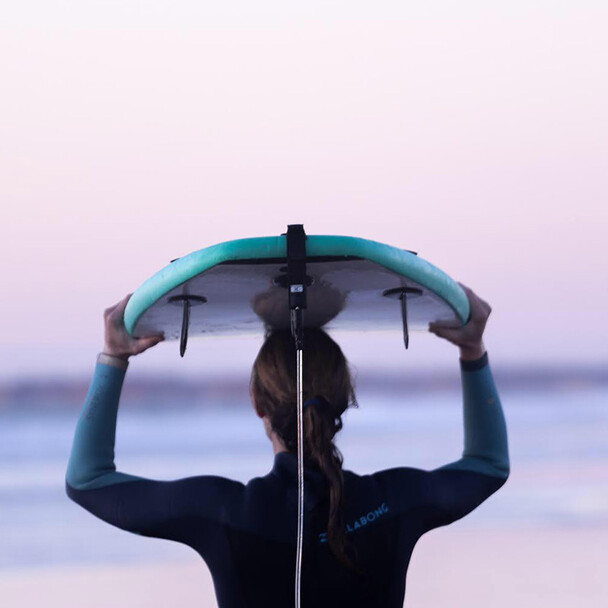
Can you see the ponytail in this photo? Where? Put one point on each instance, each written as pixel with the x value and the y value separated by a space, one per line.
pixel 328 392
pixel 324 452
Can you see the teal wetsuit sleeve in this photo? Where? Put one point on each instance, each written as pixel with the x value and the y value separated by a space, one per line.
pixel 445 494
pixel 145 506
pixel 485 431
pixel 91 463
pixel 455 489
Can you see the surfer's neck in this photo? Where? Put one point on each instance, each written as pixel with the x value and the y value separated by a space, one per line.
pixel 277 442
pixel 277 445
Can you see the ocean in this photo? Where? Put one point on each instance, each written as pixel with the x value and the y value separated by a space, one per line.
pixel 558 442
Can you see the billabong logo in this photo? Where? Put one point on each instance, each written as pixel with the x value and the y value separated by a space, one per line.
pixel 358 523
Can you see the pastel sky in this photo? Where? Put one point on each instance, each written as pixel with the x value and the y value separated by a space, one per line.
pixel 136 132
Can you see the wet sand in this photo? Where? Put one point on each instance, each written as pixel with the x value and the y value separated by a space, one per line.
pixel 450 568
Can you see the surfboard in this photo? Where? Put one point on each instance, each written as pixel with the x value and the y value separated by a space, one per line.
pixel 240 286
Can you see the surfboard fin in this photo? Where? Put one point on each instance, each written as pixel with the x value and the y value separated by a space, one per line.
pixel 183 341
pixel 186 300
pixel 406 333
pixel 402 293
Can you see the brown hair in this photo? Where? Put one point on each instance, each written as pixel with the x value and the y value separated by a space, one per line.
pixel 326 376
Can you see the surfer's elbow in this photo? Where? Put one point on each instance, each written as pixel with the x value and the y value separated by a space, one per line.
pixel 498 466
pixel 77 476
pixel 69 489
pixel 73 492
pixel 501 462
pixel 503 470
pixel 74 484
pixel 87 476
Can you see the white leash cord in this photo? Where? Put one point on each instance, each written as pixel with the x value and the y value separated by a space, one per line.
pixel 300 478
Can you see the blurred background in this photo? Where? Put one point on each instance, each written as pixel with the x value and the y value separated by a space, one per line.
pixel 475 134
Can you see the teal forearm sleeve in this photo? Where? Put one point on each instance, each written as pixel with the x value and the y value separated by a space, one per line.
pixel 91 463
pixel 485 432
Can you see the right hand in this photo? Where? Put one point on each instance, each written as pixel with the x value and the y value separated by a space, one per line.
pixel 467 337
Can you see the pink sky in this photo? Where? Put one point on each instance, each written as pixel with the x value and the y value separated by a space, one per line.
pixel 477 137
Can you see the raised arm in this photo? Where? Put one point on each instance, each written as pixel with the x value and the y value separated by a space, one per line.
pixel 455 489
pixel 485 431
pixel 164 509
pixel 127 501
pixel 91 463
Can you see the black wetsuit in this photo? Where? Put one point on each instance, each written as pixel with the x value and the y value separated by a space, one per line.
pixel 246 532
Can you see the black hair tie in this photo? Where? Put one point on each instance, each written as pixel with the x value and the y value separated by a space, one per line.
pixel 318 401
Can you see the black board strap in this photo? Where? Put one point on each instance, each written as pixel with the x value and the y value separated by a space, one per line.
pixel 296 280
pixel 296 266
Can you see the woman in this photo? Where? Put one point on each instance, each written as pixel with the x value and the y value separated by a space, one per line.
pixel 359 530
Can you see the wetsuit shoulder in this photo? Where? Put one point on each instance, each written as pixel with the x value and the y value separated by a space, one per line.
pixel 147 506
pixel 438 497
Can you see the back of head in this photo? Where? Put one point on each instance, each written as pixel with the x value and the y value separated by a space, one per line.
pixel 327 382
pixel 326 375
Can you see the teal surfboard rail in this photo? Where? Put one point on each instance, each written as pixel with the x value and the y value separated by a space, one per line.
pixel 397 260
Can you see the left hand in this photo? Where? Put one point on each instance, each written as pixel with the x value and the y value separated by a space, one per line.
pixel 468 337
pixel 118 343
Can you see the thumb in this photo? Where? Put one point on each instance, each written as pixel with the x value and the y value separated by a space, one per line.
pixel 444 330
pixel 146 343
pixel 435 325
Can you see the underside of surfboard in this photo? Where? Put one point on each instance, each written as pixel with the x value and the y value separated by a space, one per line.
pixel 242 286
